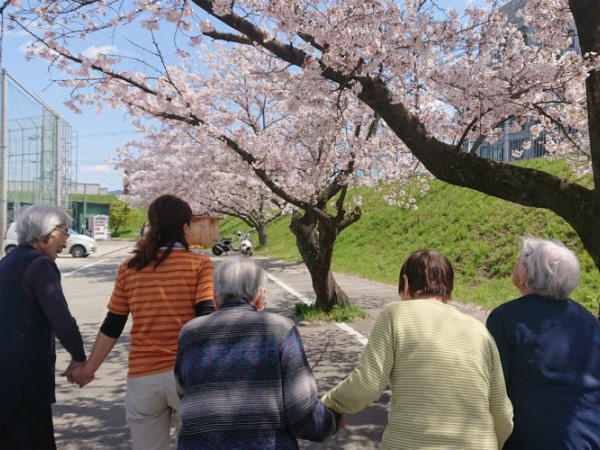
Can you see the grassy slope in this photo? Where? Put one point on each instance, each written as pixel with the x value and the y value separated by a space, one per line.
pixel 131 228
pixel 478 233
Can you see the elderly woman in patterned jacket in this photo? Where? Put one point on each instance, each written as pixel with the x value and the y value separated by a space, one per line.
pixel 242 373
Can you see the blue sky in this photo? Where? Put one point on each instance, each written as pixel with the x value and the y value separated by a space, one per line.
pixel 99 134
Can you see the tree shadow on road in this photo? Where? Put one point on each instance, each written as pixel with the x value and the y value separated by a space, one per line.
pixel 100 273
pixel 274 266
pixel 332 357
pixel 93 416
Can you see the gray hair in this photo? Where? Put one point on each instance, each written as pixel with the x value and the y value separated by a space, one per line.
pixel 38 221
pixel 238 279
pixel 552 269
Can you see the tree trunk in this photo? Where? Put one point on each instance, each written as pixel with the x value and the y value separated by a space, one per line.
pixel 587 223
pixel 263 237
pixel 315 240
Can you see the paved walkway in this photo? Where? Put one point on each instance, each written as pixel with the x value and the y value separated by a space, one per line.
pixel 93 417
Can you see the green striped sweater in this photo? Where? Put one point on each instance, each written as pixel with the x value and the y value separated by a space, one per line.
pixel 445 374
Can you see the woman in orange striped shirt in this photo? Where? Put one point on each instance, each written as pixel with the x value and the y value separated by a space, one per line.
pixel 162 286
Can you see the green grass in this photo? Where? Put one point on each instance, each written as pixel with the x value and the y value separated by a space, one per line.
pixel 478 233
pixel 131 228
pixel 229 227
pixel 337 314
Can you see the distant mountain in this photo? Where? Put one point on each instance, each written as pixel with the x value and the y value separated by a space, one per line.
pixel 116 192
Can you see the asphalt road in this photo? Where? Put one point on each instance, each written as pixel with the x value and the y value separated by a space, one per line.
pixel 93 417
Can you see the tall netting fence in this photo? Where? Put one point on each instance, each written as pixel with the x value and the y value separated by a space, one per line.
pixel 41 151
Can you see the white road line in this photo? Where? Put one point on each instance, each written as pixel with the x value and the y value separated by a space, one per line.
pixel 79 269
pixel 347 328
pixel 352 332
pixel 296 294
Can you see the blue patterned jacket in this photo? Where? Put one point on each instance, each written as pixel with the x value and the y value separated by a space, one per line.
pixel 245 383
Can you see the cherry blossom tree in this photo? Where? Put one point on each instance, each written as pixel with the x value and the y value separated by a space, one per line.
pixel 167 162
pixel 263 124
pixel 481 68
pixel 436 79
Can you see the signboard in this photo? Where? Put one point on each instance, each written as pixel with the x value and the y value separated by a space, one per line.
pixel 98 226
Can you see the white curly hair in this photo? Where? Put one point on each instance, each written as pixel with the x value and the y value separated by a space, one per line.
pixel 552 270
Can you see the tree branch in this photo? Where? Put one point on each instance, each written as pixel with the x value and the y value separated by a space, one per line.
pixel 4 5
pixel 228 37
pixel 466 133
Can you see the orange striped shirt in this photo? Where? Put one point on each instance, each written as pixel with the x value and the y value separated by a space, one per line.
pixel 160 301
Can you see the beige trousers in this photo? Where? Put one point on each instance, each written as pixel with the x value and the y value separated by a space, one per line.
pixel 151 407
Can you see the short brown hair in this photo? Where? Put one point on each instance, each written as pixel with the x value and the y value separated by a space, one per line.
pixel 428 273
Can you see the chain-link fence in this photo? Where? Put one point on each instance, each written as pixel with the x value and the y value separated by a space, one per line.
pixel 41 147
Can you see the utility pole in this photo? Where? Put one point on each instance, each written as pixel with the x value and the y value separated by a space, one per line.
pixel 57 164
pixel 85 204
pixel 3 164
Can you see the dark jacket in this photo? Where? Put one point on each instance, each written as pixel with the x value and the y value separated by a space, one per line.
pixel 550 353
pixel 32 309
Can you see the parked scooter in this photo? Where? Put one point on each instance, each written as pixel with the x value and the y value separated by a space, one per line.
pixel 223 246
pixel 246 245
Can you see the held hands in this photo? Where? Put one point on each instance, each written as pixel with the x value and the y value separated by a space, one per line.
pixel 78 372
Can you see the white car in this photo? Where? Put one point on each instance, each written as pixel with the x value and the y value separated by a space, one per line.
pixel 78 245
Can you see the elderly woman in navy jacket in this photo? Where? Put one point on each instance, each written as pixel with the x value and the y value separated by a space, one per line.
pixel 550 351
pixel 32 311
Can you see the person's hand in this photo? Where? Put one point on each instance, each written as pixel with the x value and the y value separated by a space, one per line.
pixel 76 373
pixel 72 366
pixel 342 422
pixel 82 375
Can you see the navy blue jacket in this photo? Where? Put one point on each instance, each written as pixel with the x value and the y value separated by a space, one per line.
pixel 32 310
pixel 550 353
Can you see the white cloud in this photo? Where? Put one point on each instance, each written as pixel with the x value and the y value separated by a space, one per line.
pixel 98 168
pixel 93 51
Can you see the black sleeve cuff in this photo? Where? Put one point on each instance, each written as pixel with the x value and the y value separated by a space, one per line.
pixel 113 325
pixel 204 308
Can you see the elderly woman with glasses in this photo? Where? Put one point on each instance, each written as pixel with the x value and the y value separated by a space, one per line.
pixel 442 366
pixel 33 310
pixel 550 351
pixel 242 372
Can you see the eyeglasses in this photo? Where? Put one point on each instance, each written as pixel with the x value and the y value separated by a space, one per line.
pixel 65 233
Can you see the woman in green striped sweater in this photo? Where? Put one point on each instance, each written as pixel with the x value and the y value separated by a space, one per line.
pixel 442 366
